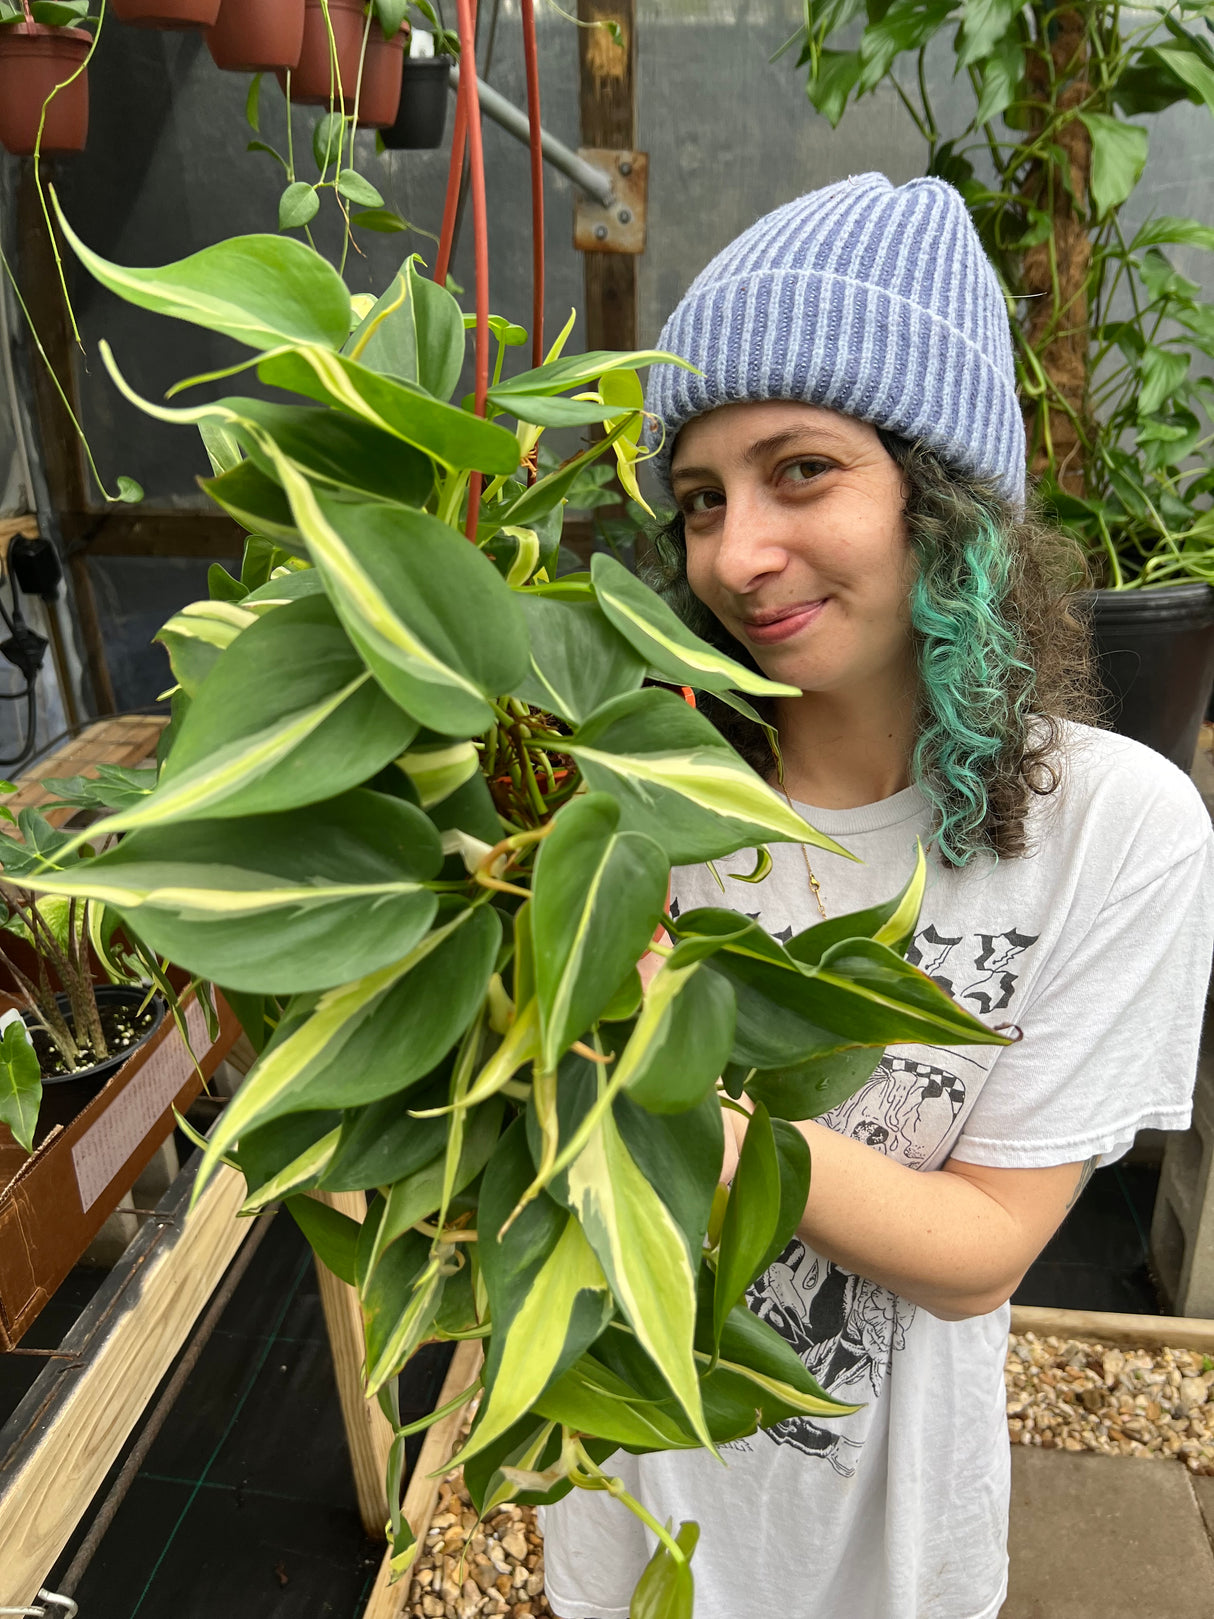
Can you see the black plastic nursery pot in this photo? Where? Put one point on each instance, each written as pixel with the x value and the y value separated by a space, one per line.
pixel 1155 655
pixel 421 118
pixel 64 1095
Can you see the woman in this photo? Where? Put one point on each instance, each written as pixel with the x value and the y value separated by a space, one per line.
pixel 848 472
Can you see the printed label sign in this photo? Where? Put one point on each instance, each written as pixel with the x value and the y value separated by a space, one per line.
pixel 106 1145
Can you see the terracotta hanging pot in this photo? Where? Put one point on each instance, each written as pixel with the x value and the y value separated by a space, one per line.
pixel 422 116
pixel 33 60
pixel 167 13
pixel 312 80
pixel 379 98
pixel 255 36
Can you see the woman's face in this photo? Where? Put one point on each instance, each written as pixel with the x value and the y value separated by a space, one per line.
pixel 796 541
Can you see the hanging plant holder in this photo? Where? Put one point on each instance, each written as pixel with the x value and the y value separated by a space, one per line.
pixel 421 119
pixel 312 80
pixel 34 59
pixel 257 36
pixel 167 13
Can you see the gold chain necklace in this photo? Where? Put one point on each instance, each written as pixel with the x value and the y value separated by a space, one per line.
pixel 809 870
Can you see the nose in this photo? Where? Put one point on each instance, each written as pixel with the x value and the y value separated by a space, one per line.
pixel 751 548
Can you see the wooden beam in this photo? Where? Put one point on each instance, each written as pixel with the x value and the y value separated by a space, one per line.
pixel 607 99
pixel 421 1496
pixel 142 532
pixel 1148 1331
pixel 77 1432
pixel 368 1431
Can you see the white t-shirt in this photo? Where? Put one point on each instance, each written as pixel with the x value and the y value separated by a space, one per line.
pixel 1097 945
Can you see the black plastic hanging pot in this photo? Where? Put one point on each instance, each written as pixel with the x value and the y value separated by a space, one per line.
pixel 1155 656
pixel 66 1095
pixel 422 116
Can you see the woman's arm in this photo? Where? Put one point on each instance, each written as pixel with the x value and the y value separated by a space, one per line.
pixel 956 1240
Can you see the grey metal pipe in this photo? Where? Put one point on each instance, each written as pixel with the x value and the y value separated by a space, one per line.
pixel 594 181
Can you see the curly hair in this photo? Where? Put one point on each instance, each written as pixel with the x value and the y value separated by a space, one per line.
pixel 1003 657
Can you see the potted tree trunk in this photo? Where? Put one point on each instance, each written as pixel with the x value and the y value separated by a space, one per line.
pixel 257 36
pixel 44 87
pixel 1111 342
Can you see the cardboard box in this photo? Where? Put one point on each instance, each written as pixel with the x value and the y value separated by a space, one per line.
pixel 53 1203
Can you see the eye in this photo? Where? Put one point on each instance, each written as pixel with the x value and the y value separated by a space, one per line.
pixel 805 470
pixel 700 501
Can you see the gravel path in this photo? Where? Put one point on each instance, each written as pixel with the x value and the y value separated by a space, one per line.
pixel 1074 1394
pixel 1062 1393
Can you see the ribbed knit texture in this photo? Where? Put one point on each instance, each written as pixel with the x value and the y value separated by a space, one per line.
pixel 872 300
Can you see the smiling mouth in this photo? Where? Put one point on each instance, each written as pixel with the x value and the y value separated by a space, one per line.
pixel 778 624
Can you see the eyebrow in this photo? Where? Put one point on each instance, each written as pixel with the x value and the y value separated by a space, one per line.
pixel 756 451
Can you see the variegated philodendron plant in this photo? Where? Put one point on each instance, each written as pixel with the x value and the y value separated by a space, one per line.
pixel 416 816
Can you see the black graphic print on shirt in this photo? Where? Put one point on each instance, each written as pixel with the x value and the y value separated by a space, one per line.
pixel 844 1327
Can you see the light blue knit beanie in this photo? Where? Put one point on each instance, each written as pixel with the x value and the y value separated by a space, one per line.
pixel 872 300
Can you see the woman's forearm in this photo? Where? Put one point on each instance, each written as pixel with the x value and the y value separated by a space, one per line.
pixel 935 1237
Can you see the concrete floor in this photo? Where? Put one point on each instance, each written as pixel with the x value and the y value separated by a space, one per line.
pixel 1103 1537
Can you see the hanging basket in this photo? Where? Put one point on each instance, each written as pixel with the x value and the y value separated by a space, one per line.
pixel 256 36
pixel 167 13
pixel 34 59
pixel 312 80
pixel 421 118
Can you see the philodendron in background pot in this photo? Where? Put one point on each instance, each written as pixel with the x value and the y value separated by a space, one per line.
pixel 417 816
pixel 44 87
pixel 68 1033
pixel 1113 345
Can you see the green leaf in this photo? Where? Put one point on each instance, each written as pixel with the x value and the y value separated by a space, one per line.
pixel 683 1037
pixel 221 445
pixel 415 331
pixel 382 1142
pixel 390 15
pixel 255 500
pixel 434 621
pixel 60 13
pixel 355 188
pixel 1162 372
pixel 806 1090
pixel 549 492
pixel 984 26
pixel 453 437
pixel 1119 154
pixel 644 1255
pixel 1191 68
pixel 273 903
pixel 1148 85
pixel 328 137
pixel 129 490
pixel 598 893
pixel 829 87
pixel 298 204
pixel 751 1217
pixel 1002 76
pixel 1167 228
pixel 680 1156
pixel 263 146
pixel 679 781
pixel 333 448
pixel 548 1297
pixel 867 993
pixel 892 923
pixel 252 103
pixel 289 716
pixel 666 1589
pixel 332 1236
pixel 374 1037
pixel 673 651
pixel 379 219
pixel 20 1084
pixel 261 290
pixel 591 1399
pixel 792 1154
pixel 438 769
pixel 195 638
pixel 577 370
pixel 904 26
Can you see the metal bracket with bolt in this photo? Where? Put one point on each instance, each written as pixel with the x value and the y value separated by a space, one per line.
pixel 617 226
